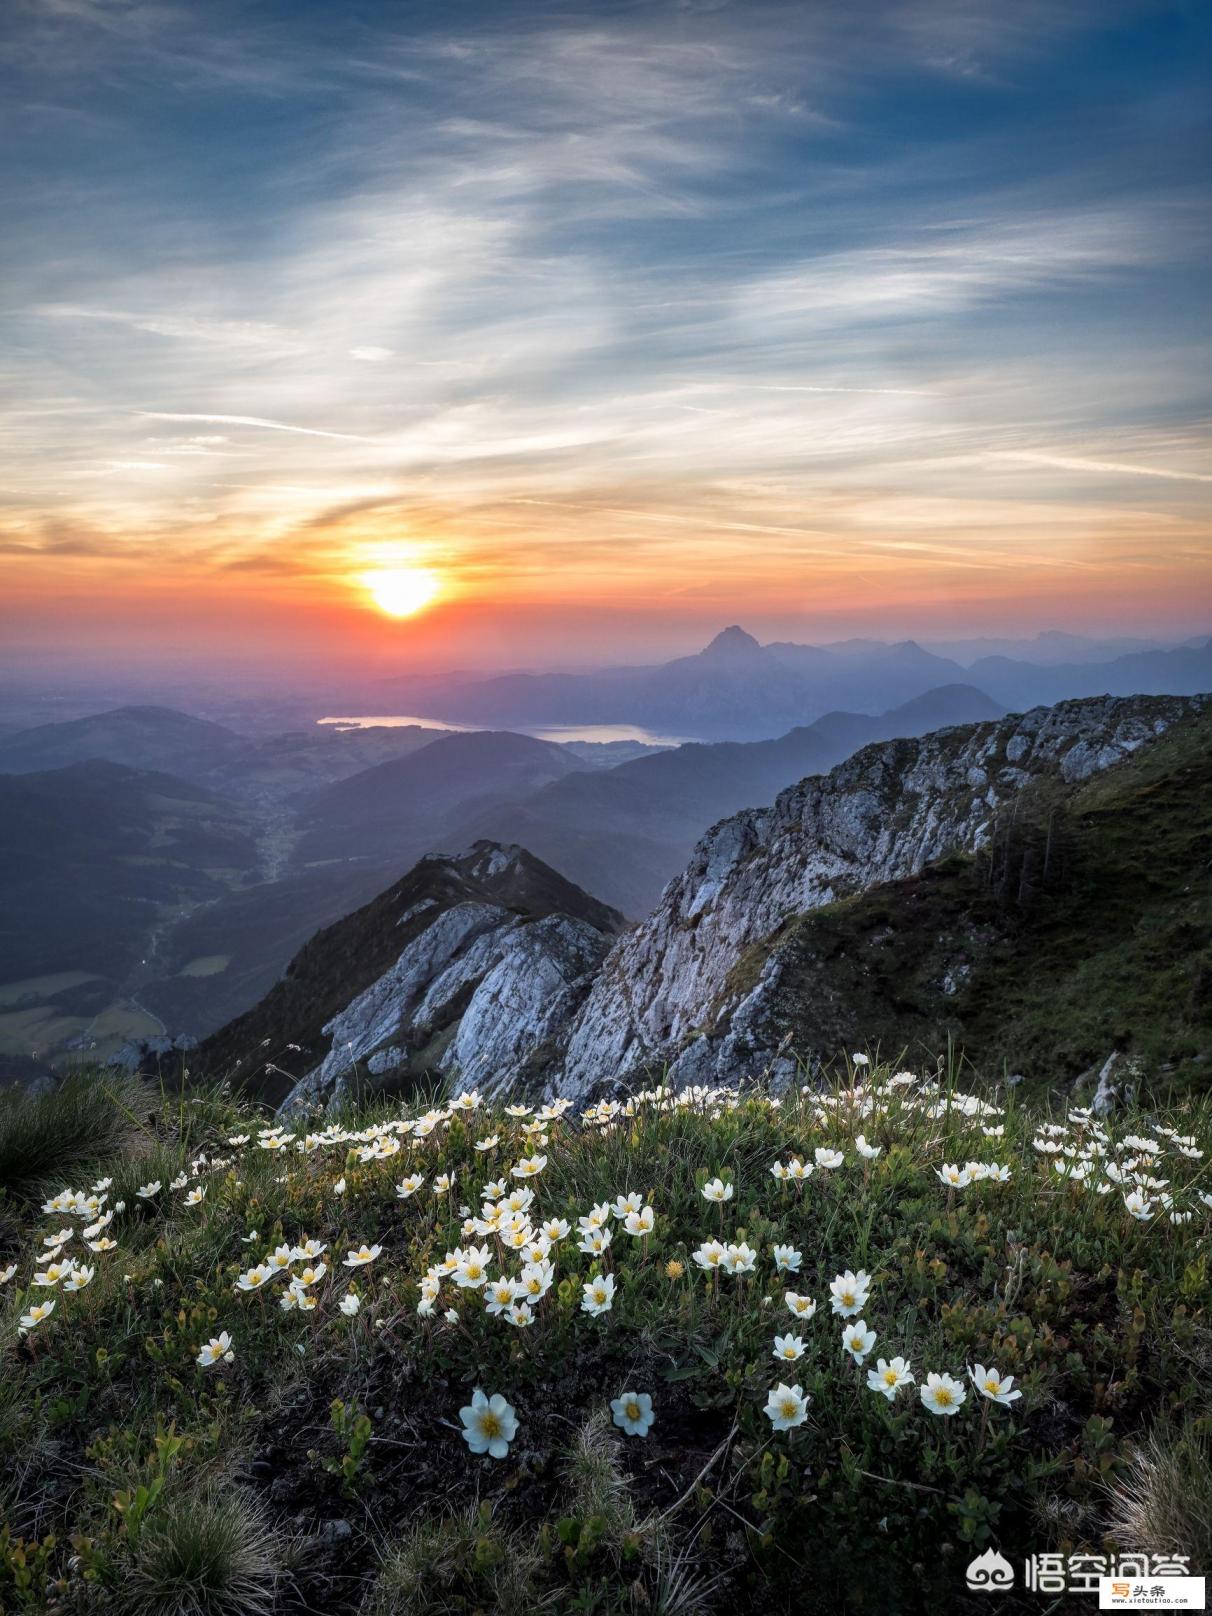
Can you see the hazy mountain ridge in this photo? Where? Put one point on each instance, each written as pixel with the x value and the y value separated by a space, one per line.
pixel 164 739
pixel 397 808
pixel 738 689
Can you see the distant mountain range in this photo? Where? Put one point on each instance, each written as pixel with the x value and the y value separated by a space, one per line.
pixel 194 749
pixel 406 805
pixel 738 689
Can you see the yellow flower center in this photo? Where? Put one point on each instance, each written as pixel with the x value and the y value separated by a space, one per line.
pixel 889 1377
pixel 943 1397
pixel 632 1411
pixel 490 1424
pixel 788 1408
pixel 992 1384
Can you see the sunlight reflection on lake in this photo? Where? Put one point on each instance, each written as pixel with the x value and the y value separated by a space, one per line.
pixel 541 732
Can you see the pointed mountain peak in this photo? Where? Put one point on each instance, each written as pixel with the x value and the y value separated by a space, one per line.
pixel 732 644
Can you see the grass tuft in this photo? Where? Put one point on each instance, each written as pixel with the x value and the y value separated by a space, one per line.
pixel 203 1554
pixel 1162 1504
pixel 85 1122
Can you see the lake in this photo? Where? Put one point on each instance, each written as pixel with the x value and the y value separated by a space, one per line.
pixel 541 732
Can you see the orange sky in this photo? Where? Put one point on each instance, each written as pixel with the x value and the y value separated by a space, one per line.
pixel 624 328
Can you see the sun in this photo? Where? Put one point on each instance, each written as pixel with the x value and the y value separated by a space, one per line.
pixel 403 591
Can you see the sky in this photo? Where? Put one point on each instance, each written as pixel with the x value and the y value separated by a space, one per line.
pixel 609 324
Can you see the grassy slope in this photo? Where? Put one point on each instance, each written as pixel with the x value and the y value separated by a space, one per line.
pixel 136 1463
pixel 1114 951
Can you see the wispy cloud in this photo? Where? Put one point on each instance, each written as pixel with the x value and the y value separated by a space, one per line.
pixel 250 420
pixel 1115 467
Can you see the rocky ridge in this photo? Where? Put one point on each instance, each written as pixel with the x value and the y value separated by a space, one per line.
pixel 670 995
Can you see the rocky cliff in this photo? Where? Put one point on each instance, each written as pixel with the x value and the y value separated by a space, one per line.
pixel 471 968
pixel 691 990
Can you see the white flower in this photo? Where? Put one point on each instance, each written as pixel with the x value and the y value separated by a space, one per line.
pixel 803 1307
pixel 641 1222
pixel 716 1190
pixel 954 1176
pixel 489 1424
pixel 992 1385
pixel 860 1060
pixel 858 1340
pixel 35 1316
pixel 598 1295
pixel 339 1187
pixel 78 1278
pixel 787 1259
pixel 787 1406
pixel 633 1413
pixel 849 1292
pixel 942 1395
pixel 472 1272
pixel 870 1152
pixel 52 1274
pixel 196 1196
pixel 888 1376
pixel 349 1304
pixel 788 1347
pixel 529 1166
pixel 1139 1205
pixel 218 1347
pixel 254 1278
pixel 710 1254
pixel 740 1259
pixel 409 1186
pixel 146 1191
pixel 827 1159
pixel 363 1255
pixel 7 1273
pixel 500 1294
pixel 536 1280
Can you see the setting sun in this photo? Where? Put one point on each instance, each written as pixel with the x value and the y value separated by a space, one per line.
pixel 402 591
